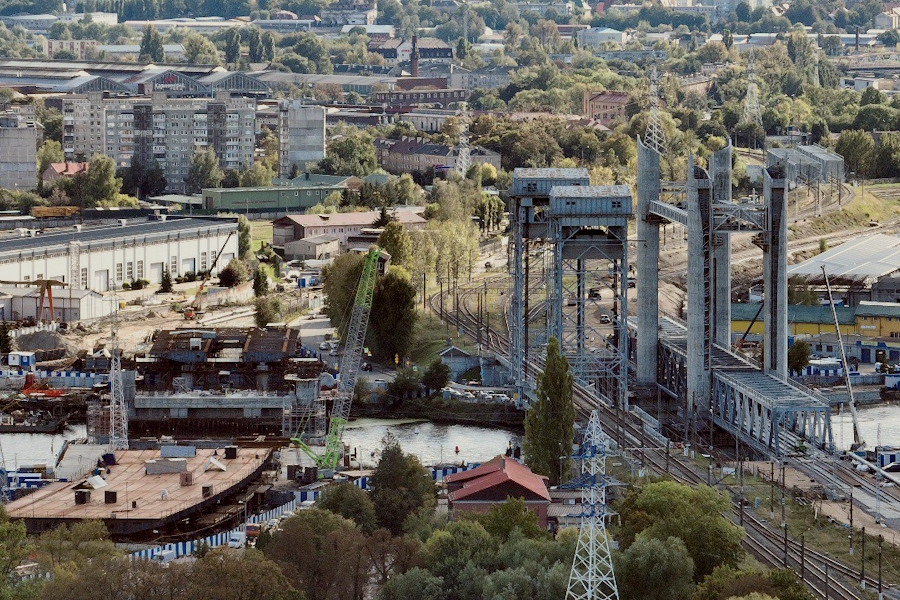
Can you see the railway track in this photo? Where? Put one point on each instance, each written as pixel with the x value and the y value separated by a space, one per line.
pixel 825 575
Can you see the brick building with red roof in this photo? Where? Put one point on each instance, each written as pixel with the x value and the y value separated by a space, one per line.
pixel 481 488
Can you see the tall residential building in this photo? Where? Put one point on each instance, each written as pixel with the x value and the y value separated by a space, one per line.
pixel 301 133
pixel 161 129
pixel 18 152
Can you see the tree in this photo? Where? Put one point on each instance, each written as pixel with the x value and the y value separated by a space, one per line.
pixel 350 502
pixel 339 280
pixel 798 356
pixel 254 45
pixel 352 154
pixel 96 186
pixel 395 240
pixel 268 46
pixel 415 584
pixel 394 302
pixel 199 50
pixel 322 554
pixel 234 274
pixel 668 509
pixel 550 423
pixel 871 95
pixel 165 286
pixel 227 575
pixel 50 152
pixel 14 544
pixel 203 172
pixel 655 569
pixel 141 180
pixel 245 238
pixel 268 310
pixel 260 282
pixel 858 149
pixel 232 46
pixel 436 375
pixel 258 175
pixel 508 519
pixel 401 486
pixel 727 582
pixel 151 46
pixel 5 339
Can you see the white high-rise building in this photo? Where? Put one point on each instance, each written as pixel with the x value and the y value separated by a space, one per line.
pixel 301 134
pixel 18 152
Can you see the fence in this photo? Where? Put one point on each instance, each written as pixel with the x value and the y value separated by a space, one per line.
pixel 58 379
pixel 14 333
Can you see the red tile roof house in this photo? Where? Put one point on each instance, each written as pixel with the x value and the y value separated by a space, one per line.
pixel 66 169
pixel 495 481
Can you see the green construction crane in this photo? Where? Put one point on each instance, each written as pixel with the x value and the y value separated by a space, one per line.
pixel 349 368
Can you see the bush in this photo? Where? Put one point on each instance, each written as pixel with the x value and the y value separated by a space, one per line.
pixel 139 284
pixel 165 286
pixel 190 276
pixel 268 310
pixel 235 273
pixel 126 285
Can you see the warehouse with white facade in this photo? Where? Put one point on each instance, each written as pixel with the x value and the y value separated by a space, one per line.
pixel 102 256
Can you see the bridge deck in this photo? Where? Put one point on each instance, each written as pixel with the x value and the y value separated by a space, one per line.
pixel 759 407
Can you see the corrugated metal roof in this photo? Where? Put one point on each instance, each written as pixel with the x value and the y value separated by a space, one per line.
pixel 550 173
pixel 878 309
pixel 798 313
pixel 131 230
pixel 862 259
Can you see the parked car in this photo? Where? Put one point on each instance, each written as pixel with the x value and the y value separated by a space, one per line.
pixel 165 557
pixel 237 539
pixel 324 346
pixel 605 320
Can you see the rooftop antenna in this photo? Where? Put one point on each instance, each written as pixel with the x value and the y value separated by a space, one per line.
pixel 118 411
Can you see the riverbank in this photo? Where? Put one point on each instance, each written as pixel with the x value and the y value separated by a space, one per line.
pixel 446 412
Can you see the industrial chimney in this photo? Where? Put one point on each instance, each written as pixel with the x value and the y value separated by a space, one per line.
pixel 414 57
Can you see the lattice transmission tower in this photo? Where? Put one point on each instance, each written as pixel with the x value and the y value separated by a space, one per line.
pixel 118 410
pixel 656 135
pixel 463 150
pixel 592 576
pixel 752 113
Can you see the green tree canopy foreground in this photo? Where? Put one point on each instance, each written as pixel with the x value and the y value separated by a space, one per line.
pixel 550 422
pixel 401 486
pixel 694 515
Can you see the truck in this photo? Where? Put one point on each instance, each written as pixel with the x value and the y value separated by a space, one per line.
pixel 253 530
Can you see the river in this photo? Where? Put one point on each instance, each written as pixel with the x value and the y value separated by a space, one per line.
pixel 27 449
pixel 434 443
pixel 879 425
pixel 430 442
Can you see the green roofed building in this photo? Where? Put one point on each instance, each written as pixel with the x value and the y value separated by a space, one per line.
pixel 283 199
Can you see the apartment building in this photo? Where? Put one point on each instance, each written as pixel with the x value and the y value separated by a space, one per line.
pixel 301 134
pixel 161 129
pixel 18 151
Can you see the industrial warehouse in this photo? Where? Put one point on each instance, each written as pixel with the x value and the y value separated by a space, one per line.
pixel 100 257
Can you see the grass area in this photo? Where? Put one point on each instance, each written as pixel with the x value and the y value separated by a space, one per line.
pixel 431 338
pixel 260 231
pixel 875 205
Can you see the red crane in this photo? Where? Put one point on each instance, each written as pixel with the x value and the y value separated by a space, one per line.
pixel 46 287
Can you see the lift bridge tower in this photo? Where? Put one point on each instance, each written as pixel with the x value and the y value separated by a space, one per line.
pixel 592 576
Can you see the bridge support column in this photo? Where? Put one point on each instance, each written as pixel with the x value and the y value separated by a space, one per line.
pixel 775 337
pixel 699 289
pixel 647 273
pixel 720 172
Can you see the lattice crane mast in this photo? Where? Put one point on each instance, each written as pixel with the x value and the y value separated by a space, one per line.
pixel 350 363
pixel 858 442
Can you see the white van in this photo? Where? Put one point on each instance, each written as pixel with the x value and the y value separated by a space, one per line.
pixel 164 557
pixel 237 539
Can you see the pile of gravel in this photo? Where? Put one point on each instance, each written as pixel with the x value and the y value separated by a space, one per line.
pixel 40 340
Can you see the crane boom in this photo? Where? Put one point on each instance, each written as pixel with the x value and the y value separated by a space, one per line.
pixel 350 362
pixel 858 441
pixel 190 310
